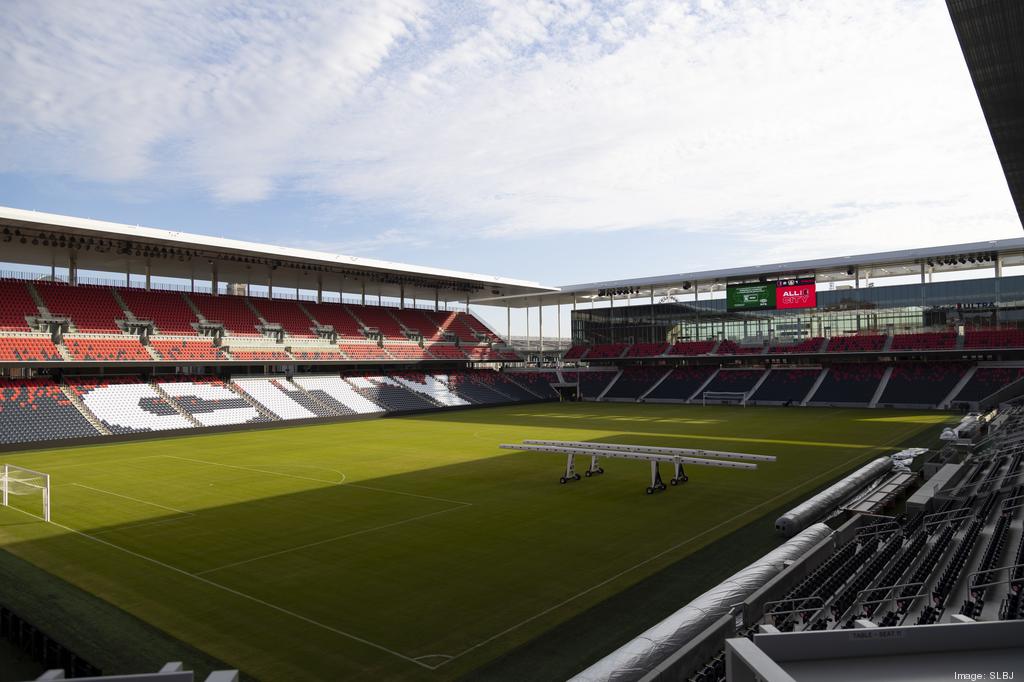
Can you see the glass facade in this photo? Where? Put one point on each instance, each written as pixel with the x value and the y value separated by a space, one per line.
pixel 989 303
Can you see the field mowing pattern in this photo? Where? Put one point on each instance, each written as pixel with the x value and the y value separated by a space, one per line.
pixel 410 547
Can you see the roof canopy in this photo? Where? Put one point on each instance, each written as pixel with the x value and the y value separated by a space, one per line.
pixel 45 239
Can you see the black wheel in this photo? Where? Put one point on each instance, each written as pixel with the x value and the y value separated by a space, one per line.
pixel 650 491
pixel 577 477
pixel 562 480
pixel 685 478
pixel 674 481
pixel 587 473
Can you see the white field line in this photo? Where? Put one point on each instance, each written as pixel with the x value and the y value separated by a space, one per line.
pixel 631 568
pixel 133 499
pixel 235 592
pixel 353 534
pixel 319 480
pixel 91 462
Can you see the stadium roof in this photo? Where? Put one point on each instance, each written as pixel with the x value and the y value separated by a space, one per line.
pixel 939 259
pixel 991 34
pixel 45 239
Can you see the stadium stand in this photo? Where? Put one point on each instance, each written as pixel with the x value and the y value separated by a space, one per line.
pixel 987 380
pixel 434 387
pixel 727 347
pixel 337 393
pixel 681 383
pixel 281 401
pixel 538 383
pixel 444 351
pixel 849 384
pixel 379 319
pixel 330 353
pixel 811 345
pixel 692 348
pixel 258 354
pixel 576 353
pixel 924 341
pixel 231 311
pixel 126 405
pixel 286 313
pixel 921 383
pixel 92 310
pixel 336 316
pixel 868 343
pixel 994 338
pixel 15 305
pixel 106 349
pixel 499 382
pixel 488 354
pixel 453 323
pixel 210 402
pixel 406 351
pixel 735 380
pixel 592 384
pixel 786 385
pixel 647 350
pixel 466 386
pixel 390 394
pixel 37 409
pixel 607 350
pixel 186 349
pixel 167 310
pixel 364 351
pixel 28 349
pixel 634 381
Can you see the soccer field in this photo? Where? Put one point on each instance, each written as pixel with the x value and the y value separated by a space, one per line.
pixel 412 547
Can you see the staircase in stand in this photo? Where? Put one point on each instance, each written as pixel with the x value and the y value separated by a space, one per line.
pixel 170 401
pixel 86 412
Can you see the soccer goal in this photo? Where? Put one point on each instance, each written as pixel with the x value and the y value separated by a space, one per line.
pixel 724 398
pixel 25 490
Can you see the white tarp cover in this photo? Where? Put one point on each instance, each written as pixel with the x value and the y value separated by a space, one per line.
pixel 643 653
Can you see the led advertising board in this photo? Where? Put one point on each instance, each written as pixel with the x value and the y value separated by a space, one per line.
pixel 755 296
pixel 795 293
pixel 783 294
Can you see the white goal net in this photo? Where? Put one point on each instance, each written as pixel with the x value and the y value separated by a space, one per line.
pixel 25 490
pixel 724 398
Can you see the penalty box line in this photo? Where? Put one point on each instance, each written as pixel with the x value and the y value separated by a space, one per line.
pixel 237 593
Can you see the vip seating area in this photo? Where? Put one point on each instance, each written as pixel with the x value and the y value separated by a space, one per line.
pixel 43 409
pixel 106 324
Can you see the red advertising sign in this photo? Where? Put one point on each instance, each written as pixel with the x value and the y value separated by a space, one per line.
pixel 795 293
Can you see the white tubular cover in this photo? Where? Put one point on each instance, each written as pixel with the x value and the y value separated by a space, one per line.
pixel 273 398
pixel 337 388
pixel 118 405
pixel 828 499
pixel 435 387
pixel 643 653
pixel 220 405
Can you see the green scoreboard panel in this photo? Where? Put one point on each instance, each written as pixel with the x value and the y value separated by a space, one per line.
pixel 753 296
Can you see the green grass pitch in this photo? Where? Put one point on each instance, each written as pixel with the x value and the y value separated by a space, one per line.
pixel 412 547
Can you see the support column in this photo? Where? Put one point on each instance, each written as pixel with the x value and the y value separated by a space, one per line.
pixel 435 300
pixel 540 329
pixel 467 304
pixel 363 295
pixel 558 335
pixel 401 296
pixel 270 285
pixel 127 273
pixel 53 271
pixel 508 324
pixel 611 318
pixel 653 321
pixel 215 281
pixel 527 328
pixel 319 288
pixel 149 275
pixel 72 268
pixel 924 271
pixel 192 283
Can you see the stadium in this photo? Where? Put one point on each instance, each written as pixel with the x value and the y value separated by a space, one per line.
pixel 235 460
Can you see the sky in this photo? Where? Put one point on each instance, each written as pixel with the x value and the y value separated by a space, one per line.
pixel 559 142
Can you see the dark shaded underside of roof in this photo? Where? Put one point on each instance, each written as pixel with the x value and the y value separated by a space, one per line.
pixel 991 34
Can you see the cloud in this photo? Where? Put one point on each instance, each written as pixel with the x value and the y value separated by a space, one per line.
pixel 804 126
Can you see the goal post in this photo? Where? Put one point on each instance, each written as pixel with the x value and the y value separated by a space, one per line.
pixel 20 484
pixel 724 398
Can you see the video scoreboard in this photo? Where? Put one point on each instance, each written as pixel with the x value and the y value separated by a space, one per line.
pixel 783 294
